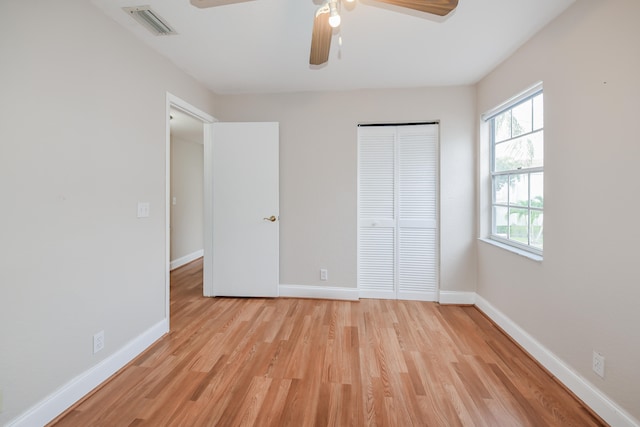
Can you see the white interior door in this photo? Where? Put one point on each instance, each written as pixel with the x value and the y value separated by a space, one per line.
pixel 397 212
pixel 417 234
pixel 245 177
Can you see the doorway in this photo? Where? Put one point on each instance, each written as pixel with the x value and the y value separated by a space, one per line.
pixel 196 118
pixel 186 189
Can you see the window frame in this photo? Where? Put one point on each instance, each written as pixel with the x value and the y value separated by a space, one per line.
pixel 488 118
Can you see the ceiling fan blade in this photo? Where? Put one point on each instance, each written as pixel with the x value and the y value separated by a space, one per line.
pixel 211 3
pixel 436 7
pixel 321 37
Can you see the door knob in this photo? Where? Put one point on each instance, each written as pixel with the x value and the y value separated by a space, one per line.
pixel 271 218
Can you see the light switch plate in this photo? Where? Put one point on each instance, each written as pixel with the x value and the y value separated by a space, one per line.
pixel 143 210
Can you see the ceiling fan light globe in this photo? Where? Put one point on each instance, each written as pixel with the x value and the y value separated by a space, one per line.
pixel 334 21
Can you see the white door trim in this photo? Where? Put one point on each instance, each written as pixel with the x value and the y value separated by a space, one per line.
pixel 173 101
pixel 207 202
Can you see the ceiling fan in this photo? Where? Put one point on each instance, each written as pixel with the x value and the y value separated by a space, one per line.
pixel 328 17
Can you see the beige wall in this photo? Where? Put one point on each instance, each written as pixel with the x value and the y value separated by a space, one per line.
pixel 318 174
pixel 584 296
pixel 82 140
pixel 187 178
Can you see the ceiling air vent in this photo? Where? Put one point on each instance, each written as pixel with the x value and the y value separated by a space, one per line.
pixel 150 20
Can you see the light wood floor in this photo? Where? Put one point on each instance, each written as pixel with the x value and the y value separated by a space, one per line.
pixel 295 362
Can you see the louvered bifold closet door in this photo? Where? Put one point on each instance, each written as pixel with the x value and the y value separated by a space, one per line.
pixel 417 209
pixel 376 205
pixel 397 212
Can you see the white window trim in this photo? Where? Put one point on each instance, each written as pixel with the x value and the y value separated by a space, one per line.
pixel 526 253
pixel 488 115
pixel 509 245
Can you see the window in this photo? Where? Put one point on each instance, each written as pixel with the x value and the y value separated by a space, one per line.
pixel 517 171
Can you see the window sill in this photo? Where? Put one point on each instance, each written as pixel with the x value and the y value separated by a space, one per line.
pixel 522 253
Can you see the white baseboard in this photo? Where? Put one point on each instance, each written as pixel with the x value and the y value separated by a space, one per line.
pixel 323 292
pixel 186 259
pixel 61 399
pixel 608 410
pixel 457 298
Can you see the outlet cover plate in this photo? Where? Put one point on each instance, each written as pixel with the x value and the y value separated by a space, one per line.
pixel 98 342
pixel 598 364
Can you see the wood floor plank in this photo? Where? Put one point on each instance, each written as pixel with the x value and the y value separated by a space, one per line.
pixel 301 362
pixel 274 403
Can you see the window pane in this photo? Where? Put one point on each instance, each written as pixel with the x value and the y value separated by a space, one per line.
pixel 519 153
pixel 536 229
pixel 519 225
pixel 501 189
pixel 502 126
pixel 538 113
pixel 517 149
pixel 519 189
pixel 501 221
pixel 521 119
pixel 537 190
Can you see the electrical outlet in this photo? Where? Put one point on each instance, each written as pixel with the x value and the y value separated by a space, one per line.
pixel 598 364
pixel 98 342
pixel 323 274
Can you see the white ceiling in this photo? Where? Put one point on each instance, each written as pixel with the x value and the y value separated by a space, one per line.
pixel 263 46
